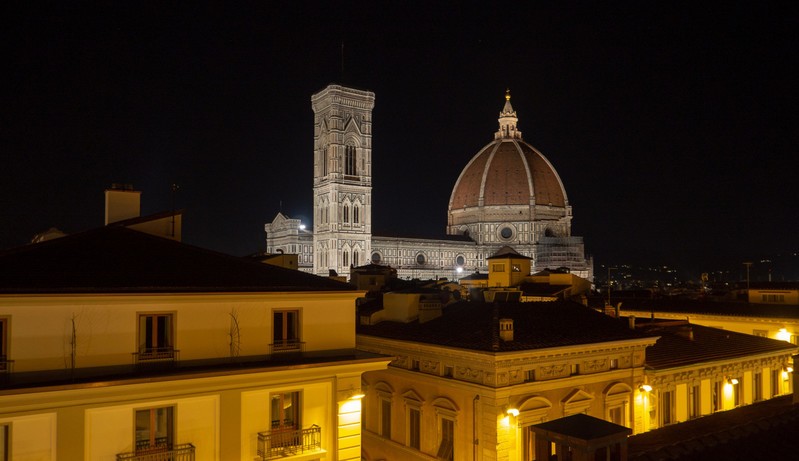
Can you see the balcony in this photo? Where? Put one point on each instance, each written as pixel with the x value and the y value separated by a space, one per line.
pixel 155 355
pixel 283 443
pixel 5 364
pixel 183 452
pixel 286 345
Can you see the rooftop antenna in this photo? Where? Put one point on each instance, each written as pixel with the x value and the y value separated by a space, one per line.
pixel 175 188
pixel 342 61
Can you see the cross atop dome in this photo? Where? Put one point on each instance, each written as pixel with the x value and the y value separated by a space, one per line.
pixel 507 121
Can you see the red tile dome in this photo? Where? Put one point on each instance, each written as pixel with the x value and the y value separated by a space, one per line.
pixel 508 172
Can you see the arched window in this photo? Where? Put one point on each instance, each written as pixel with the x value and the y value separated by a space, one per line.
pixel 355 257
pixel 345 258
pixel 356 214
pixel 349 160
pixel 324 161
pixel 346 213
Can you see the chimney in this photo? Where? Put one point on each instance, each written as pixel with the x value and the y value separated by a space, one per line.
pixel 506 329
pixel 121 203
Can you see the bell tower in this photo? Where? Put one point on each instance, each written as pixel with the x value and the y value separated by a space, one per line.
pixel 342 185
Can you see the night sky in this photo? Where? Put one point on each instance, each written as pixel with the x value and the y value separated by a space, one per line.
pixel 673 126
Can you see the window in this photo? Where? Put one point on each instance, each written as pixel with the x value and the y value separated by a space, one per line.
pixel 324 161
pixel 757 386
pixel 286 326
pixel 156 336
pixel 154 429
pixel 529 376
pixel 460 260
pixel 414 427
pixel 349 160
pixel 694 401
pixel 498 267
pixel 346 213
pixel 717 396
pixel 284 411
pixel 575 369
pixel 356 214
pixel 737 397
pixel 3 347
pixel 506 233
pixel 5 453
pixel 449 371
pixel 355 258
pixel 614 363
pixel 775 382
pixel 345 258
pixel 420 259
pixel 385 417
pixel 773 298
pixel 616 415
pixel 666 407
pixel 447 436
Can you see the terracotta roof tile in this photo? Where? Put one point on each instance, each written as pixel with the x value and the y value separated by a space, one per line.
pixel 114 259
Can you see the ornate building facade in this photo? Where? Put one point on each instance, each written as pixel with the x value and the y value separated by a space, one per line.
pixel 508 194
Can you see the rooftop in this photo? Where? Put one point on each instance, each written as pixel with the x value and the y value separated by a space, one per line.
pixel 682 343
pixel 114 259
pixel 473 325
pixel 764 430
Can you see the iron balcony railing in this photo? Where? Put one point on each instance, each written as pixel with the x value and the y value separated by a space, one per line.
pixel 286 345
pixel 183 452
pixel 281 443
pixel 156 354
pixel 5 364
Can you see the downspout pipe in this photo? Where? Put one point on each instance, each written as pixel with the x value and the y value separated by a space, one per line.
pixel 476 441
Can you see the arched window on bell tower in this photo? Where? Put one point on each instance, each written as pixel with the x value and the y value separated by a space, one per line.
pixel 345 258
pixel 356 214
pixel 349 160
pixel 324 161
pixel 346 213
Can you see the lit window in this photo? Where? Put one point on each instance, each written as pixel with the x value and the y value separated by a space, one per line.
pixel 154 430
pixel 286 329
pixel 284 411
pixel 156 336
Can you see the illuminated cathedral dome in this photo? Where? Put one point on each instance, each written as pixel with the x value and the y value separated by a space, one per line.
pixel 506 185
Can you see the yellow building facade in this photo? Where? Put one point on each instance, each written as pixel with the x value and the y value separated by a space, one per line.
pixel 173 351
